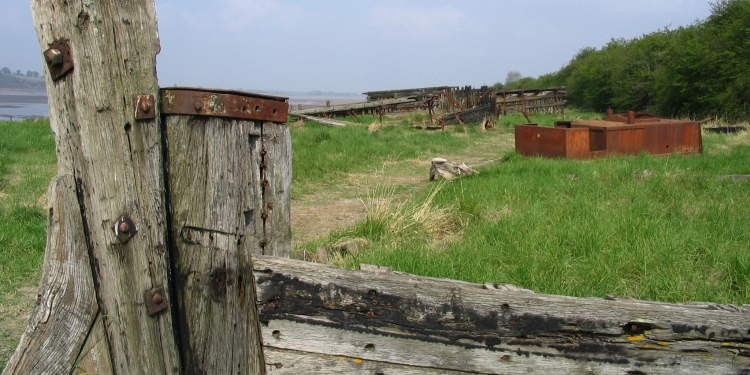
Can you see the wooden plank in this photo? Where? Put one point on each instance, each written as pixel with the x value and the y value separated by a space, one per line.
pixel 350 107
pixel 292 362
pixel 66 304
pixel 215 190
pixel 420 321
pixel 117 162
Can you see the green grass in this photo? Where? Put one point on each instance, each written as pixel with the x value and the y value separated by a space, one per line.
pixel 583 228
pixel 27 163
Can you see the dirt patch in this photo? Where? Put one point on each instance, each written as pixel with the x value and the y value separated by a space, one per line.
pixel 316 215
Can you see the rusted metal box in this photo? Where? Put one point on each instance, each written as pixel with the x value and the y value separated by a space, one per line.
pixel 621 134
pixel 557 142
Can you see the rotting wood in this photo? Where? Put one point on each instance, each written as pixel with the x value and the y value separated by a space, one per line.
pixel 117 163
pixel 66 301
pixel 428 323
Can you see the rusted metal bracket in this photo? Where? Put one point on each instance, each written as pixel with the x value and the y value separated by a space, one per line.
pixel 233 104
pixel 58 58
pixel 143 107
pixel 124 228
pixel 156 300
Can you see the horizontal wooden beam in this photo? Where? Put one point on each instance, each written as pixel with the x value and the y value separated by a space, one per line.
pixel 396 319
pixel 349 107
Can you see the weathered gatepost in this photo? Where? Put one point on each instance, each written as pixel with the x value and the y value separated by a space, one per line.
pixel 229 175
pixel 134 284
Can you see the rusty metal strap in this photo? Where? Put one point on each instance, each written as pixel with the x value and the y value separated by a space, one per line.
pixel 233 104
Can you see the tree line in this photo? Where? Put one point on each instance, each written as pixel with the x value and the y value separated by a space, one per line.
pixel 698 70
pixel 29 73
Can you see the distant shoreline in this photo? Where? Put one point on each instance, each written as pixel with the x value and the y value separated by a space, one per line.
pixel 23 92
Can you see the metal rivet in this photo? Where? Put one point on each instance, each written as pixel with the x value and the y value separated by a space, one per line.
pixel 198 105
pixel 53 57
pixel 157 299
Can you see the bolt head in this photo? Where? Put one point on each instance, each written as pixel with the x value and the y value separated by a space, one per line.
pixel 145 106
pixel 53 56
pixel 157 299
pixel 198 105
pixel 124 228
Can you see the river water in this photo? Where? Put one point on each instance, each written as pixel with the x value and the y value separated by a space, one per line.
pixel 20 107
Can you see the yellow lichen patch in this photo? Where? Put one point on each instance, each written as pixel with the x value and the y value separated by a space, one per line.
pixel 357 361
pixel 662 343
pixel 635 338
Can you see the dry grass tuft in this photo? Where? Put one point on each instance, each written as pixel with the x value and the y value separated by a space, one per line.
pixel 409 219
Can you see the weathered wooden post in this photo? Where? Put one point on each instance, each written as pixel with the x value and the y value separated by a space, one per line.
pixel 228 179
pixel 128 287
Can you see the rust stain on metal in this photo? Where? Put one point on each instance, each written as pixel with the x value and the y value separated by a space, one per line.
pixel 222 103
pixel 618 134
pixel 156 300
pixel 124 228
pixel 58 58
pixel 143 107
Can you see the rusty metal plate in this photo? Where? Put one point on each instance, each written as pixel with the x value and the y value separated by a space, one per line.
pixel 156 300
pixel 143 107
pixel 124 228
pixel 58 58
pixel 232 104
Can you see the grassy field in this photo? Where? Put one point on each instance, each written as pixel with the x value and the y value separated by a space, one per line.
pixel 678 232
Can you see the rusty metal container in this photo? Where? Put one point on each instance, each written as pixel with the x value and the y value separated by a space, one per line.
pixel 618 134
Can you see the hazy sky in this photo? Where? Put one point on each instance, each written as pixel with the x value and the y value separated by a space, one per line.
pixel 357 45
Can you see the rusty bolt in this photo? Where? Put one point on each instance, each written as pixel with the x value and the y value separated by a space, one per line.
pixel 157 299
pixel 53 56
pixel 634 327
pixel 198 105
pixel 145 106
pixel 124 228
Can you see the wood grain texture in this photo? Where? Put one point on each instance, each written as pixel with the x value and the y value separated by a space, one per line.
pixel 66 301
pixel 291 362
pixel 277 142
pixel 434 323
pixel 215 191
pixel 94 357
pixel 117 162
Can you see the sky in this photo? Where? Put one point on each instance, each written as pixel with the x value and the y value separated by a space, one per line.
pixel 353 46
